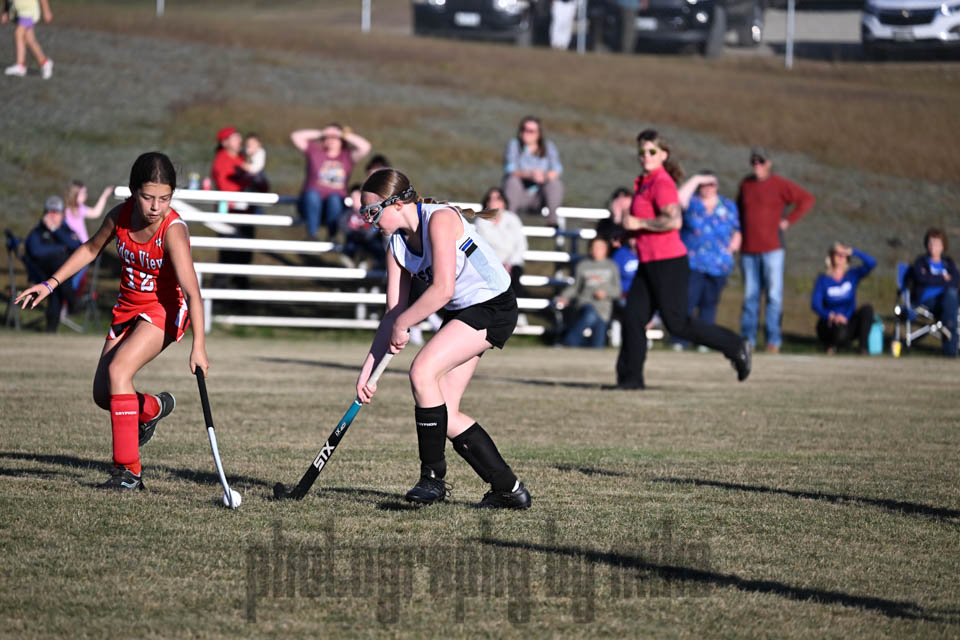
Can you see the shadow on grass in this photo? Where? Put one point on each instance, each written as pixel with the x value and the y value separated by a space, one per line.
pixel 692 576
pixel 896 506
pixel 354 368
pixel 21 473
pixel 191 475
pixel 385 501
pixel 589 471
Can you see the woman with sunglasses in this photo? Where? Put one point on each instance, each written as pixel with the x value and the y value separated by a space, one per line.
pixel 435 243
pixel 711 234
pixel 662 275
pixel 532 170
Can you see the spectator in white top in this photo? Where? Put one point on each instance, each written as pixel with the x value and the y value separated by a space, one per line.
pixel 504 234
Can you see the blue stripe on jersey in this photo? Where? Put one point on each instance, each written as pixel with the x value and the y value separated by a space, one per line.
pixel 466 244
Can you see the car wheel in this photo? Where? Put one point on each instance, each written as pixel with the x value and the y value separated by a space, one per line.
pixel 713 46
pixel 751 34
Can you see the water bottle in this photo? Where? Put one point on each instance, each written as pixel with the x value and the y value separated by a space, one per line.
pixel 875 338
pixel 194 180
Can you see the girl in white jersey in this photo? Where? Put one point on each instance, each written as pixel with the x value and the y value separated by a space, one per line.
pixel 465 279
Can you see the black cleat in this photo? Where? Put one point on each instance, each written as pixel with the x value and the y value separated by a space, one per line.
pixel 122 479
pixel 519 498
pixel 428 490
pixel 147 429
pixel 742 361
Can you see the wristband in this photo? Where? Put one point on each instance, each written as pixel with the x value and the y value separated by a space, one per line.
pixel 57 281
pixel 47 285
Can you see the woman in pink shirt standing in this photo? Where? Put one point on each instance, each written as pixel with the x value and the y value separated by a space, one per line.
pixel 663 271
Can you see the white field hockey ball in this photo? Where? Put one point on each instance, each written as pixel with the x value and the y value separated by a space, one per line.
pixel 237 500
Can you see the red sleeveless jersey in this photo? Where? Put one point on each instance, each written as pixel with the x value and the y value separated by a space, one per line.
pixel 148 276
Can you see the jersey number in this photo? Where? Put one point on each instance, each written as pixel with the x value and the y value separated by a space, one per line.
pixel 147 282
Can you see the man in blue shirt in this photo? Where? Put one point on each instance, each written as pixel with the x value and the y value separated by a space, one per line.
pixel 934 280
pixel 834 300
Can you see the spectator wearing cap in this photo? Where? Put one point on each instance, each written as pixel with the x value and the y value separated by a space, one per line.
pixel 228 174
pixel 330 155
pixel 48 246
pixel 711 233
pixel 763 198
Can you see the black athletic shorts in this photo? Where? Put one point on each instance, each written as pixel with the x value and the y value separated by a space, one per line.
pixel 497 315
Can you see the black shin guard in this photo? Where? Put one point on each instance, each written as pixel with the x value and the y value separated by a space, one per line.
pixel 478 449
pixel 431 439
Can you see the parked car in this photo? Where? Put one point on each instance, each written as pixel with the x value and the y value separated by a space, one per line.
pixel 521 21
pixel 889 25
pixel 624 25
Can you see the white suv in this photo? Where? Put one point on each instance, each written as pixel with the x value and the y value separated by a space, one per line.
pixel 896 24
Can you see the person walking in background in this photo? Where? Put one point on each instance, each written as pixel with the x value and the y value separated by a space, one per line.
pixel 504 233
pixel 762 199
pixel 934 281
pixel 595 288
pixel 28 13
pixel 330 153
pixel 663 270
pixel 532 170
pixel 834 300
pixel 48 246
pixel 159 296
pixel 711 233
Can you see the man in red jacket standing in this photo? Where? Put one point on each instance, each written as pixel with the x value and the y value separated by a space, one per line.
pixel 763 199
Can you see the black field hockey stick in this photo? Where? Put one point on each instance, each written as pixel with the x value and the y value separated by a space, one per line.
pixel 280 492
pixel 231 498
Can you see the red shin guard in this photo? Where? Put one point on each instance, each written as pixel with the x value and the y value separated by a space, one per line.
pixel 124 413
pixel 149 407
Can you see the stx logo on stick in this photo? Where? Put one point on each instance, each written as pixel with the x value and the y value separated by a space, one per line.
pixel 323 456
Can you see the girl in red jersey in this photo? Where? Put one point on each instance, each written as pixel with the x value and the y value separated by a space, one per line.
pixel 159 295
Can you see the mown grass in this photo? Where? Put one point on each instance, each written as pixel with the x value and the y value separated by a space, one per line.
pixel 809 501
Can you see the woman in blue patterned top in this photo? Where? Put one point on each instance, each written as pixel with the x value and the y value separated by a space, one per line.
pixel 711 233
pixel 834 300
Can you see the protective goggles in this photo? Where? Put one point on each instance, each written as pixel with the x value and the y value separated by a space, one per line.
pixel 372 212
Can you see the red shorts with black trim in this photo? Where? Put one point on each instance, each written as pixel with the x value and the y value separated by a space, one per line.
pixel 172 319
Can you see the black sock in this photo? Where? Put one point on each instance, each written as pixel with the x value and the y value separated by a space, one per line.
pixel 478 449
pixel 431 439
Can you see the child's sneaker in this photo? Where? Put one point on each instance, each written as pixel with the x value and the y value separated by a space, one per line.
pixel 47 69
pixel 15 70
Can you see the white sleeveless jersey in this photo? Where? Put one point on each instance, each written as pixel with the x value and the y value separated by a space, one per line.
pixel 480 276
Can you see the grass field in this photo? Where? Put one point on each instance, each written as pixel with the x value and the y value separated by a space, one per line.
pixel 816 500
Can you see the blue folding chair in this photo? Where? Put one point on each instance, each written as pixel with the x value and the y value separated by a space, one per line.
pixel 914 320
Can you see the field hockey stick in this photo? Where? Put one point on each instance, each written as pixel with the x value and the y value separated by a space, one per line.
pixel 280 492
pixel 231 498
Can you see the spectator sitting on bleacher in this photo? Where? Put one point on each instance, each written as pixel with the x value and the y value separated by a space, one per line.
pixel 361 240
pixel 47 247
pixel 595 288
pixel 532 171
pixel 934 280
pixel 504 234
pixel 255 163
pixel 834 300
pixel 331 153
pixel 377 162
pixel 228 174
